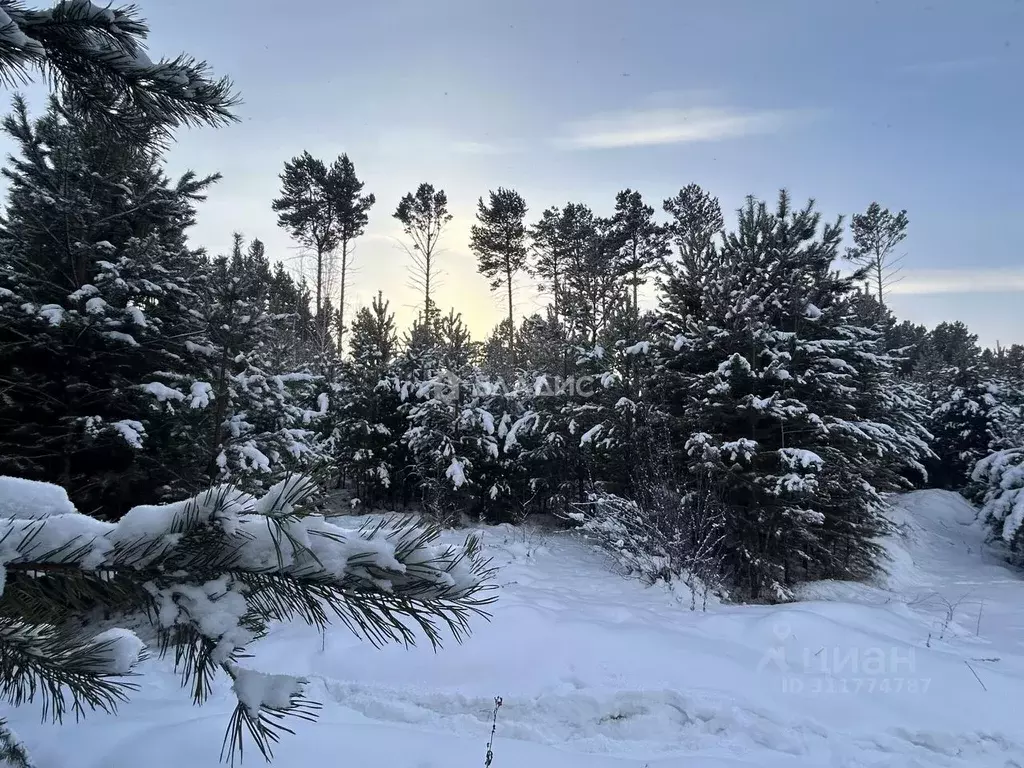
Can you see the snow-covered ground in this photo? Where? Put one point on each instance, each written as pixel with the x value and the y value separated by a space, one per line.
pixel 598 671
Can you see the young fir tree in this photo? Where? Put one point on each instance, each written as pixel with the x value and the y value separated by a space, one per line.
pixel 96 57
pixel 424 216
pixel 499 241
pixel 206 577
pixel 97 294
pixel 368 423
pixel 775 417
pixel 253 423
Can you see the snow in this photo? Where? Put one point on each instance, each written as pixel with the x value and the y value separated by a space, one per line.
pixel 598 671
pixel 52 313
pixel 202 394
pixel 258 689
pixel 121 649
pixel 96 305
pixel 590 434
pixel 456 473
pixel 800 457
pixel 137 315
pixel 12 34
pixel 126 338
pixel 30 500
pixel 131 431
pixel 162 392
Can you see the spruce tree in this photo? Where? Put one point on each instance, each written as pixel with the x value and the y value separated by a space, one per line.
pixel 499 241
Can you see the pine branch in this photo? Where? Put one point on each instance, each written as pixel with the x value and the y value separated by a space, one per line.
pixel 211 573
pixel 42 662
pixel 96 58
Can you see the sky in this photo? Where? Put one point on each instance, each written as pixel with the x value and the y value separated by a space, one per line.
pixel 912 104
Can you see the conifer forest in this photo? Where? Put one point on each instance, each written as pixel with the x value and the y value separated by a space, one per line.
pixel 198 448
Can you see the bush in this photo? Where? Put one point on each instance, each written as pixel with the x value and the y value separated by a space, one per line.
pixel 670 536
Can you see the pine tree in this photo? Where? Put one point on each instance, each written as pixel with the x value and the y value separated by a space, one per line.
pixel 543 342
pixel 254 423
pixel 353 211
pixel 98 289
pixel 549 256
pixel 642 242
pixel 971 418
pixel 424 216
pixel 368 422
pixel 876 233
pixel 696 220
pixel 499 241
pixel 775 416
pixel 592 285
pixel 308 210
pixel 96 58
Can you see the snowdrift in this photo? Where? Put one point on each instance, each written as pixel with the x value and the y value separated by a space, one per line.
pixel 920 669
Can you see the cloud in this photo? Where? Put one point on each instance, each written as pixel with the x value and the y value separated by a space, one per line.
pixel 652 127
pixel 925 281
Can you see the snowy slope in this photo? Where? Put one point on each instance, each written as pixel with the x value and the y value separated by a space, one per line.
pixel 598 671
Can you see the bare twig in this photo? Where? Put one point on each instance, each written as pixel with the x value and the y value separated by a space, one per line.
pixel 494 728
pixel 976 677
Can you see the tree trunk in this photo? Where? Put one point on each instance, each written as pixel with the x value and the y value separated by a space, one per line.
pixel 879 276
pixel 426 289
pixel 511 322
pixel 321 326
pixel 341 300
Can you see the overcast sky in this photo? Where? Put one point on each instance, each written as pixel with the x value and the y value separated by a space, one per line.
pixel 913 104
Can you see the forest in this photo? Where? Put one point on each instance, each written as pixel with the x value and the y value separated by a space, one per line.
pixel 742 434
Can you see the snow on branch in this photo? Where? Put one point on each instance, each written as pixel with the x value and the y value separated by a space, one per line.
pixel 213 571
